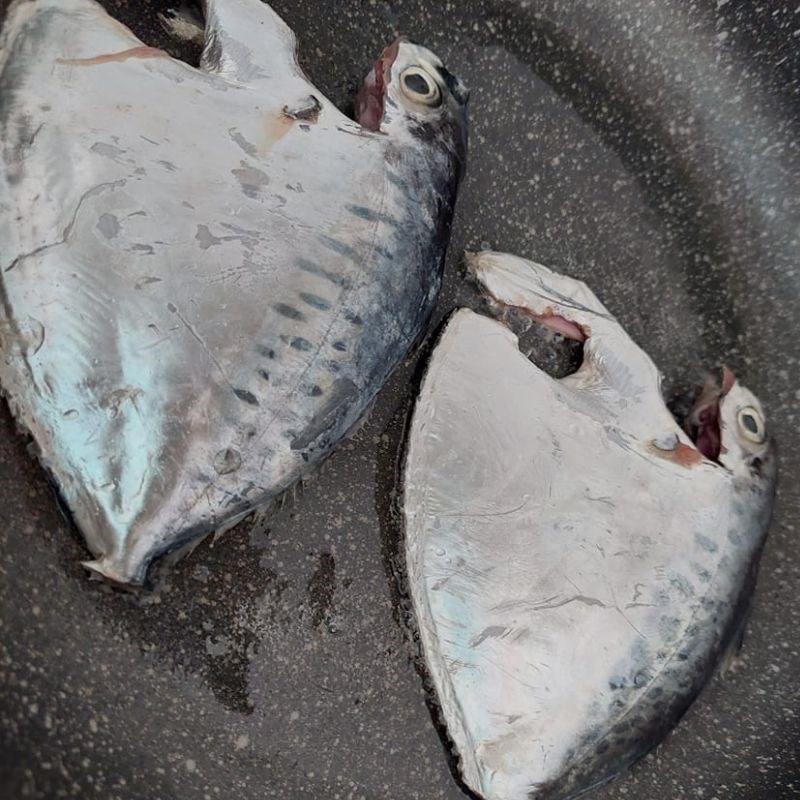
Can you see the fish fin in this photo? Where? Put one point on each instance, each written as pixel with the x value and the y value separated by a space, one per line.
pixel 567 306
pixel 731 661
pixel 247 41
pixel 107 569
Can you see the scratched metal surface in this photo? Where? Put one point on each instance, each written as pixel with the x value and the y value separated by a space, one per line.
pixel 642 146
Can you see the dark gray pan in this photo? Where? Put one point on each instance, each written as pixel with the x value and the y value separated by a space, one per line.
pixel 644 146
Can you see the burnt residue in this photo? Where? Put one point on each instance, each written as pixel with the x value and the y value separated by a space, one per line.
pixel 321 589
pixel 217 634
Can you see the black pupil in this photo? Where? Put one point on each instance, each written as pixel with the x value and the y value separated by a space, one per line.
pixel 750 423
pixel 417 83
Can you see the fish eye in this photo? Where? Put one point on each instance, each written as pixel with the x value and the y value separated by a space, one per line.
pixel 420 87
pixel 752 425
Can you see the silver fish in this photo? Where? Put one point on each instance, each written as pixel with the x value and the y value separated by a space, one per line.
pixel 207 274
pixel 578 567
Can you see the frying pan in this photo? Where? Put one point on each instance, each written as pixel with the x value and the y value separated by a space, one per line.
pixel 650 148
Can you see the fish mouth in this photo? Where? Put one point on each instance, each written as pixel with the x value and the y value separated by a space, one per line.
pixel 703 422
pixel 372 95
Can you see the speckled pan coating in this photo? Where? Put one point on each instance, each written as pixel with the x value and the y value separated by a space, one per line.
pixel 593 152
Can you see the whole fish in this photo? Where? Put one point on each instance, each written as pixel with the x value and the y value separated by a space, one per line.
pixel 578 564
pixel 207 274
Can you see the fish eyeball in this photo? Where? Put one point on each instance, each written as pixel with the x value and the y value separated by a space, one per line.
pixel 420 87
pixel 752 424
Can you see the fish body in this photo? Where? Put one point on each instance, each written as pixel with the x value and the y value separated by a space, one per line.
pixel 207 274
pixel 577 566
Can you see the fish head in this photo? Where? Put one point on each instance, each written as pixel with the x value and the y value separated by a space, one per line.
pixel 410 91
pixel 728 425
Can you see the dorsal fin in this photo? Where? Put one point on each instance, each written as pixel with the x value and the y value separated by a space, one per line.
pixel 247 41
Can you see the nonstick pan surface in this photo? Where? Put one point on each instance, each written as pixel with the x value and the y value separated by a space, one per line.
pixel 650 148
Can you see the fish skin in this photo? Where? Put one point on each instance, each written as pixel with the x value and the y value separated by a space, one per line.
pixel 576 584
pixel 207 274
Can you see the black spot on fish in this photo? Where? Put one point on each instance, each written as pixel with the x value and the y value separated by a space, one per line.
pixel 315 391
pixel 287 311
pixel 353 318
pixel 340 346
pixel 734 537
pixel 263 374
pixel 707 544
pixel 315 269
pixel 641 678
pixel 301 344
pixel 364 213
pixel 246 397
pixel 315 301
pixel 172 307
pixel 342 248
pixel 267 352
pixel 340 397
pixel 371 215
pixel 682 585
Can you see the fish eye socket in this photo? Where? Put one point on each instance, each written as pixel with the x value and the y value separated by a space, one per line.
pixel 420 87
pixel 752 425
